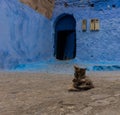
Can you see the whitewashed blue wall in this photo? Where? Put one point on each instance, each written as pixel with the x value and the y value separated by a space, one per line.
pixel 101 46
pixel 26 36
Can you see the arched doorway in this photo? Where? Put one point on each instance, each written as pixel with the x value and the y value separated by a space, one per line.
pixel 65 37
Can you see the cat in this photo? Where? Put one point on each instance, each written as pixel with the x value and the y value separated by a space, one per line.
pixel 81 81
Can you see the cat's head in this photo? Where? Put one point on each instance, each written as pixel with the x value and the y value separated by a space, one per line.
pixel 80 71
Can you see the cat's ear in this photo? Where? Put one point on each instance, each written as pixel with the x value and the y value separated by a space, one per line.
pixel 76 67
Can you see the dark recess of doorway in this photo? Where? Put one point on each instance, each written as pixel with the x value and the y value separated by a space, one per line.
pixel 62 42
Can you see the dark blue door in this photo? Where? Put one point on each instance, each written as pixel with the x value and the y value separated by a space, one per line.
pixel 65 38
pixel 69 52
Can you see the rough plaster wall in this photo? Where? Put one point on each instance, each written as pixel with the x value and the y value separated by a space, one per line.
pixel 25 35
pixel 100 46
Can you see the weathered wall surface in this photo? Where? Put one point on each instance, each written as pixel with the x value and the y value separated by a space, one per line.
pixel 25 35
pixel 96 47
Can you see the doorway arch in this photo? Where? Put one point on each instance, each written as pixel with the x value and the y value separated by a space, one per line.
pixel 65 37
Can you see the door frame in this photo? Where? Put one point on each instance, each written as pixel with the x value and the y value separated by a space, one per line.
pixel 56 26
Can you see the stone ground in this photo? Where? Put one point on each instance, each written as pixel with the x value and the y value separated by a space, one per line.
pixel 25 93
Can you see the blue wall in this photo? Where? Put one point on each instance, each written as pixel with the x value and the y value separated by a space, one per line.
pixel 26 36
pixel 96 47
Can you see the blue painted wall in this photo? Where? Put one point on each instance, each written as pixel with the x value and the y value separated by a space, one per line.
pixel 101 46
pixel 26 36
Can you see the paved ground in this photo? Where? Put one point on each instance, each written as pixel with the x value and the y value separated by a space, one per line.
pixel 47 94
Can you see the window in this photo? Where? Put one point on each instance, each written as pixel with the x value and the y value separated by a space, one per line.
pixel 84 25
pixel 94 25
